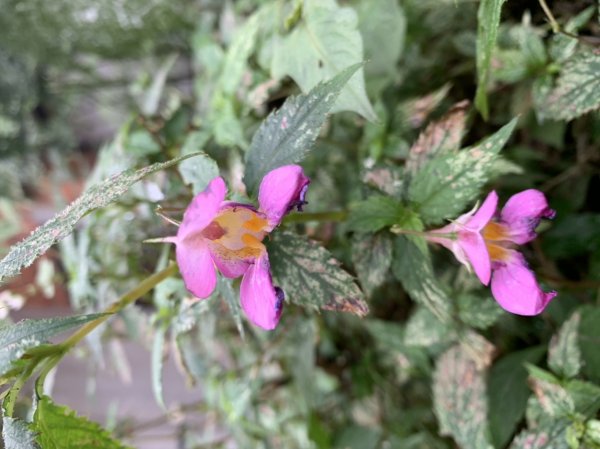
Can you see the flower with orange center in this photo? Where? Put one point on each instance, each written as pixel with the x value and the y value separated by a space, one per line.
pixel 487 244
pixel 229 235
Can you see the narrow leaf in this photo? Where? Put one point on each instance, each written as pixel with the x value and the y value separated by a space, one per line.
pixel 488 20
pixel 459 393
pixel 25 252
pixel 17 339
pixel 158 346
pixel 17 435
pixel 449 183
pixel 311 277
pixel 59 427
pixel 564 356
pixel 322 44
pixel 287 135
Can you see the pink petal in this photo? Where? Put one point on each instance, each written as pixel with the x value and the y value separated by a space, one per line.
pixel 523 212
pixel 226 261
pixel 196 267
pixel 485 213
pixel 474 247
pixel 515 288
pixel 261 301
pixel 280 191
pixel 203 209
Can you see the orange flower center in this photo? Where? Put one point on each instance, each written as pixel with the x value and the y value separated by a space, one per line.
pixel 496 241
pixel 238 232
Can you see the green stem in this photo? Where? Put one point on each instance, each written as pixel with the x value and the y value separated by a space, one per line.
pixel 553 23
pixel 144 287
pixel 9 403
pixel 306 217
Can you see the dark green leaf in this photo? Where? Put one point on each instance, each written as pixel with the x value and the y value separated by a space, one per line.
pixel 287 135
pixel 573 235
pixel 372 258
pixel 424 329
pixel 589 341
pixel 17 435
pixel 321 45
pixel 508 392
pixel 478 311
pixel 17 339
pixel 447 184
pixel 375 213
pixel 24 253
pixel 413 268
pixel 488 20
pixel 459 393
pixel 311 277
pixel 58 427
pixel 564 356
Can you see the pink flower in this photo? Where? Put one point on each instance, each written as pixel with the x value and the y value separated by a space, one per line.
pixel 228 236
pixel 486 244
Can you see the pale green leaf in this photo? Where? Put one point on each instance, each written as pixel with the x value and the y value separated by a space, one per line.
pixel 375 213
pixel 100 195
pixel 200 170
pixel 151 99
pixel 552 396
pixel 424 329
pixel 17 339
pixel 321 45
pixel 158 346
pixel 550 435
pixel 488 20
pixel 459 397
pixel 372 257
pixel 287 135
pixel 59 427
pixel 564 356
pixel 577 89
pixel 508 393
pixel 413 268
pixel 225 288
pixel 589 341
pixel 447 184
pixel 311 277
pixel 17 435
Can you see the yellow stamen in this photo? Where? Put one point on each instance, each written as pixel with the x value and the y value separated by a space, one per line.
pixel 497 253
pixel 494 232
pixel 255 224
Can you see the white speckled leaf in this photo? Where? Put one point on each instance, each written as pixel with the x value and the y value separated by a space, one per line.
pixel 311 277
pixel 324 42
pixel 16 434
pixel 447 184
pixel 17 339
pixel 564 356
pixel 372 257
pixel 577 89
pixel 459 396
pixel 100 195
pixel 287 135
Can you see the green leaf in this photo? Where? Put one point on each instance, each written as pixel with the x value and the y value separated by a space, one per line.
pixel 447 184
pixel 413 268
pixel 478 311
pixel 459 397
pixel 151 99
pixel 589 341
pixel 573 235
pixel 17 339
pixel 287 135
pixel 200 170
pixel 372 258
pixel 17 435
pixel 225 289
pixel 508 393
pixel 553 397
pixel 311 277
pixel 488 20
pixel 564 356
pixel 321 45
pixel 424 329
pixel 375 213
pixel 577 89
pixel 550 435
pixel 59 427
pixel 158 346
pixel 100 195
